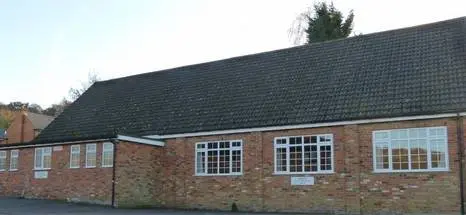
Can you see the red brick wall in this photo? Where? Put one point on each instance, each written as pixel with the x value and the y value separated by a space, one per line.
pixel 353 188
pixel 14 131
pixel 138 175
pixel 164 177
pixel 84 184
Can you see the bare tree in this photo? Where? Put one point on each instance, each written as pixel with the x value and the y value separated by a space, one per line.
pixel 75 93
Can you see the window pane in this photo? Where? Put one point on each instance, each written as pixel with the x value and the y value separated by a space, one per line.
pixel 212 162
pixel 236 161
pixel 325 158
pixel 438 153
pixel 200 162
pixel 47 161
pixel 38 159
pixel 281 159
pixel 2 160
pixel 382 156
pixel 400 154
pixel 380 136
pixel 418 154
pixel 296 160
pixel 224 161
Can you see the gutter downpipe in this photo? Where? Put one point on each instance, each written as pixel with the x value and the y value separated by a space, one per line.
pixel 114 141
pixel 460 140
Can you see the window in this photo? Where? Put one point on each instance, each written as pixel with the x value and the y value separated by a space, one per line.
pixel 74 156
pixel 14 154
pixel 2 160
pixel 304 154
pixel 43 158
pixel 91 151
pixel 219 158
pixel 107 155
pixel 413 149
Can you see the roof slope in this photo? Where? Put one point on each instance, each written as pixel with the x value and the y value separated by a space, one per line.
pixel 39 121
pixel 405 72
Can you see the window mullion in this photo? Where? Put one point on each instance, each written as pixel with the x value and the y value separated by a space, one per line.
pixel 287 155
pixel 390 160
pixel 218 159
pixel 231 159
pixel 302 154
pixel 318 155
pixel 409 152
pixel 429 155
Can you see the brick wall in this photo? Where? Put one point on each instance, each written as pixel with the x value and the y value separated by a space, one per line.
pixel 138 174
pixel 353 188
pixel 14 130
pixel 164 177
pixel 84 184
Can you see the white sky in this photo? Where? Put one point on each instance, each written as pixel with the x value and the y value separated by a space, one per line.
pixel 48 46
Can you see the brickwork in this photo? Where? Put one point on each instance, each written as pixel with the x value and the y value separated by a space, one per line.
pixel 84 184
pixel 19 126
pixel 165 177
pixel 352 189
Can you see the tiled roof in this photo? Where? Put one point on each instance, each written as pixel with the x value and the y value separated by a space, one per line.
pixel 405 72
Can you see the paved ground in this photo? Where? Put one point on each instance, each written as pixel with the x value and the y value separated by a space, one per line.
pixel 12 206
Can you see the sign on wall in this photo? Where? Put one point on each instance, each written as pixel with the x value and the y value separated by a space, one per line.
pixel 304 180
pixel 41 174
pixel 57 148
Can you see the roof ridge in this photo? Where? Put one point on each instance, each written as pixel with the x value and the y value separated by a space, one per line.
pixel 290 48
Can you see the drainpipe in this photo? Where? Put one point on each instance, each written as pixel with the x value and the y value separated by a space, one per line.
pixel 460 140
pixel 114 141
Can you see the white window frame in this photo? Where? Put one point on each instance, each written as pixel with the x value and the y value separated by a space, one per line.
pixel 87 154
pixel 107 150
pixel 3 155
pixel 429 159
pixel 14 154
pixel 231 148
pixel 43 154
pixel 78 153
pixel 303 172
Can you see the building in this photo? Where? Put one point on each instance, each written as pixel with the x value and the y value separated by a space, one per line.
pixel 2 135
pixel 26 126
pixel 358 125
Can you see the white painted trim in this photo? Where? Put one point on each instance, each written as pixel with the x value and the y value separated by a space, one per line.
pixel 103 153
pixel 12 158
pixel 429 159
pixel 206 150
pixel 317 144
pixel 141 140
pixel 88 152
pixel 79 156
pixel 315 125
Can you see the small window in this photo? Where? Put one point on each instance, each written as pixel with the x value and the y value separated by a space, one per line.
pixel 91 155
pixel 75 152
pixel 43 158
pixel 410 150
pixel 219 158
pixel 107 155
pixel 14 155
pixel 304 154
pixel 2 160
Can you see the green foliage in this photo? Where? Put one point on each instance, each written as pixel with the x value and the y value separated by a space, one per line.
pixel 4 123
pixel 320 23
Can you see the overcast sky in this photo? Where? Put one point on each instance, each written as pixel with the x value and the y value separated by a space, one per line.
pixel 48 46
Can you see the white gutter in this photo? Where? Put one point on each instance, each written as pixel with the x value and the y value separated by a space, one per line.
pixel 141 140
pixel 315 125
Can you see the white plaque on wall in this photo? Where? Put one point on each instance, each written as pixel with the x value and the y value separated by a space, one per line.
pixel 41 174
pixel 57 148
pixel 304 180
